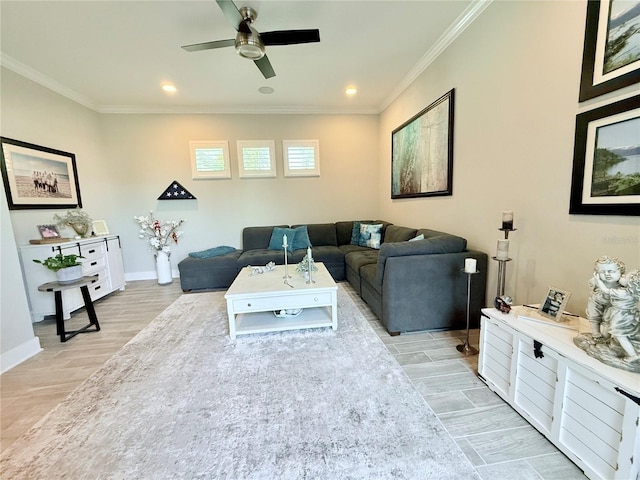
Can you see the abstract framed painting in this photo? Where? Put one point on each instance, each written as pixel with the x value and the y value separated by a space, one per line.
pixel 606 160
pixel 38 177
pixel 422 152
pixel 611 55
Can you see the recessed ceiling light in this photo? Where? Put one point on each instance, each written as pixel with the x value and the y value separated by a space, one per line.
pixel 169 88
pixel 266 90
pixel 351 91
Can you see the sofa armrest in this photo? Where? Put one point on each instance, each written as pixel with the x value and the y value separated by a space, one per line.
pixel 424 292
pixel 434 245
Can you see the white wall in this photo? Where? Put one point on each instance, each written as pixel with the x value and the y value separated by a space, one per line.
pixel 17 341
pixel 147 152
pixel 516 73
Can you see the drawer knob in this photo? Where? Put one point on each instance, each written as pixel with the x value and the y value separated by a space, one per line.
pixel 248 305
pixel 315 299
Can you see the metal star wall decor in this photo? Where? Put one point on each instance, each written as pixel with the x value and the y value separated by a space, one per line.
pixel 175 191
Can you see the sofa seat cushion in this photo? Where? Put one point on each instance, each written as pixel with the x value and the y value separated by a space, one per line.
pixel 396 233
pixel 368 275
pixel 353 248
pixel 260 257
pixel 207 273
pixel 324 254
pixel 355 260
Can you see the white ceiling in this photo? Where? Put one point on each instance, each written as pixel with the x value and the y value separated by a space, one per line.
pixel 113 56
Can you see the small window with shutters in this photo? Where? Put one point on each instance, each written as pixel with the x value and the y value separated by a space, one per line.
pixel 256 158
pixel 301 158
pixel 209 159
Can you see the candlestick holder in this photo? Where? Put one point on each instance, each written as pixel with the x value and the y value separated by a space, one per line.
pixel 502 274
pixel 286 266
pixel 506 232
pixel 466 348
pixel 310 280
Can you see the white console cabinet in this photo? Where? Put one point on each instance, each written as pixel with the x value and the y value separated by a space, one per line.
pixel 590 411
pixel 102 257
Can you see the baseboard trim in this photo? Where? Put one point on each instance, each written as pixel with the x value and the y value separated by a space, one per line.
pixel 19 354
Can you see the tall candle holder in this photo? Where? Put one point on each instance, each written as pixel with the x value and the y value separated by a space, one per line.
pixel 310 280
pixel 286 265
pixel 502 258
pixel 466 348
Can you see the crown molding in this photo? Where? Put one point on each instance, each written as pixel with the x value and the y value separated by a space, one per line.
pixel 228 110
pixel 47 82
pixel 461 23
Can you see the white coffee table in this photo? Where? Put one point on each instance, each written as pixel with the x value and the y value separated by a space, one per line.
pixel 252 299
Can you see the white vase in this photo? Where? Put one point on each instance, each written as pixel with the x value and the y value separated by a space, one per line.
pixel 69 274
pixel 163 268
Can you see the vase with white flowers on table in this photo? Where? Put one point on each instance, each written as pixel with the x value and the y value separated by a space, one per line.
pixel 160 234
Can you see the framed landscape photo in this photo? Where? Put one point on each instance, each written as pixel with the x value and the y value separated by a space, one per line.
pixel 611 55
pixel 606 160
pixel 422 152
pixel 553 303
pixel 38 177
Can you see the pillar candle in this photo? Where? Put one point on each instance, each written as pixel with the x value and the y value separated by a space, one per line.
pixel 284 241
pixel 309 253
pixel 503 250
pixel 507 220
pixel 470 265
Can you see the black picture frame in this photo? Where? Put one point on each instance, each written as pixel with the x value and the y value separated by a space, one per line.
pixel 593 81
pixel 37 177
pixel 595 191
pixel 422 152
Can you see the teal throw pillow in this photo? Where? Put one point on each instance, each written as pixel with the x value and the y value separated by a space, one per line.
pixel 213 252
pixel 276 241
pixel 355 234
pixel 301 238
pixel 370 235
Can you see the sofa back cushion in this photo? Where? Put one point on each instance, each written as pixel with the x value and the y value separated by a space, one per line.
pixel 444 243
pixel 396 233
pixel 322 234
pixel 254 238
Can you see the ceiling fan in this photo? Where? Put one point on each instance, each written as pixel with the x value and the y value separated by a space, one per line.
pixel 251 44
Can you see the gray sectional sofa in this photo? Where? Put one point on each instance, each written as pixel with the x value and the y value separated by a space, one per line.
pixel 410 285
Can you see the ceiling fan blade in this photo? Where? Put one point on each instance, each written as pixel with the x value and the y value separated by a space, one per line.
pixel 234 16
pixel 265 67
pixel 209 45
pixel 289 37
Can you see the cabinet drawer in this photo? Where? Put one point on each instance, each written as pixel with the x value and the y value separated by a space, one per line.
pixel 98 289
pixel 91 252
pixel 93 266
pixel 285 301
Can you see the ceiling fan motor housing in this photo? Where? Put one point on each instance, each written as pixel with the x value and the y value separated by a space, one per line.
pixel 249 45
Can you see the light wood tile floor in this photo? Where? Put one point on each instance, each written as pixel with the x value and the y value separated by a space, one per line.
pixel 31 389
pixel 494 437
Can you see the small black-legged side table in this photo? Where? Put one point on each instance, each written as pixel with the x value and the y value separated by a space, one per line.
pixel 57 288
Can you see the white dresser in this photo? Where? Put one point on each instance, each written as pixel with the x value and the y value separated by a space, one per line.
pixel 590 411
pixel 102 257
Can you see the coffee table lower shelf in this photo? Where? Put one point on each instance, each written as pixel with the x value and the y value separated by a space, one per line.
pixel 261 322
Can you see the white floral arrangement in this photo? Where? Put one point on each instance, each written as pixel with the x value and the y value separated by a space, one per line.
pixel 159 234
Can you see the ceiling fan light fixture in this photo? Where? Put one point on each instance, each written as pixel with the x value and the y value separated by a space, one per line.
pixel 249 46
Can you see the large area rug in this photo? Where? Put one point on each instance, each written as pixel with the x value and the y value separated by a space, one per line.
pixel 181 400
